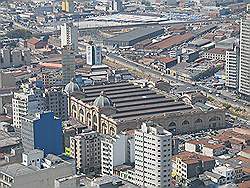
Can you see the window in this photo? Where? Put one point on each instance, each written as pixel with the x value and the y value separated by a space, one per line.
pixel 186 122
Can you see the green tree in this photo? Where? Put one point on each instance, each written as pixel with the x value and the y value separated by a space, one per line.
pixel 19 33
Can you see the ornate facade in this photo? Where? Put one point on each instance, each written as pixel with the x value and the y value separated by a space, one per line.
pixel 110 113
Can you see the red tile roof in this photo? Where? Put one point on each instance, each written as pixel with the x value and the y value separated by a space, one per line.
pixel 33 41
pixel 171 41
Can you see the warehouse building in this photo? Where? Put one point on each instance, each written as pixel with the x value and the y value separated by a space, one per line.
pixel 132 37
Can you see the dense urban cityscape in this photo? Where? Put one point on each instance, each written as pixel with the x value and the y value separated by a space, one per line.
pixel 125 93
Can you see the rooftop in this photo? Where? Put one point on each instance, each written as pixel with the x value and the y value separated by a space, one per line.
pixel 207 143
pixel 136 33
pixel 132 101
pixel 171 41
pixel 16 169
pixel 221 51
pixel 192 158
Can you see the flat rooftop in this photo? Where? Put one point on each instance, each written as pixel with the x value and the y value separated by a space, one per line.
pixel 136 33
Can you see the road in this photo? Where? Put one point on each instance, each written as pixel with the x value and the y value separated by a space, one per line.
pixel 159 75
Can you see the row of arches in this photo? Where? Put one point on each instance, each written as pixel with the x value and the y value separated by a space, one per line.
pixel 197 121
pixel 90 118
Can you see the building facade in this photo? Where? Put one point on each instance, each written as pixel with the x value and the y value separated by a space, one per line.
pixel 28 101
pixel 14 57
pixel 127 106
pixel 85 149
pixel 69 36
pixel 232 68
pixel 68 64
pixel 153 152
pixel 93 54
pixel 57 102
pixel 68 6
pixel 115 151
pixel 31 174
pixel 42 131
pixel 244 70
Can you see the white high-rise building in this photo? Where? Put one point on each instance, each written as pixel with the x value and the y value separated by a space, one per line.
pixel 93 54
pixel 153 151
pixel 232 68
pixel 115 151
pixel 68 64
pixel 26 102
pixel 69 36
pixel 244 70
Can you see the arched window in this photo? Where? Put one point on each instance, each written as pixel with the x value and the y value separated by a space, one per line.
pixel 74 110
pixel 89 119
pixel 112 131
pixel 81 112
pixel 186 122
pixel 73 107
pixel 172 124
pixel 104 128
pixel 198 121
pixel 95 119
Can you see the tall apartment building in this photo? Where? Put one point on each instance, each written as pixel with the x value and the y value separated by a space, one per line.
pixel 69 36
pixel 14 57
pixel 42 131
pixel 85 149
pixel 93 54
pixel 244 70
pixel 116 151
pixel 232 68
pixel 153 151
pixel 68 6
pixel 35 171
pixel 57 102
pixel 26 102
pixel 68 64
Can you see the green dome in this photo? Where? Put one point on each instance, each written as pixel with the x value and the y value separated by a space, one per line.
pixel 103 101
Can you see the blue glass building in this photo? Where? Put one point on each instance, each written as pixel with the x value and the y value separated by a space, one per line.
pixel 42 131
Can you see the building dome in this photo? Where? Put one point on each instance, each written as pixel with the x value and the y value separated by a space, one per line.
pixel 72 87
pixel 103 101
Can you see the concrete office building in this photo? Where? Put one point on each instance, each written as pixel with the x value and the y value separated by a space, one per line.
pixel 26 102
pixel 57 102
pixel 35 171
pixel 68 64
pixel 244 70
pixel 85 149
pixel 42 131
pixel 232 68
pixel 153 152
pixel 115 151
pixel 93 54
pixel 69 36
pixel 14 57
